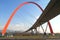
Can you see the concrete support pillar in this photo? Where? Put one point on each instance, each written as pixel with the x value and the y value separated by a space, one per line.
pixel 35 30
pixel 32 32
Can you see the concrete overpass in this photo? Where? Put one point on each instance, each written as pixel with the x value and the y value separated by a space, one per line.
pixel 51 11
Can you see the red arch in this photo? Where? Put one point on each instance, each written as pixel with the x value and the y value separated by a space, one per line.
pixel 13 13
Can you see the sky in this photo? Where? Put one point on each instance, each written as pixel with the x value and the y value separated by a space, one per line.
pixel 26 16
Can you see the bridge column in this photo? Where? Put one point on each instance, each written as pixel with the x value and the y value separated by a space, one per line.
pixel 32 32
pixel 35 30
pixel 50 27
pixel 44 31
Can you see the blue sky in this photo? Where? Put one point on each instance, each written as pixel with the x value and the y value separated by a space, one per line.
pixel 25 17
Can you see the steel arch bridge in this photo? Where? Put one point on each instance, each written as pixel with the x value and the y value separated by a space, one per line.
pixel 51 5
pixel 14 12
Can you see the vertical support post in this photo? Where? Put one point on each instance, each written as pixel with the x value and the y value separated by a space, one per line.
pixel 51 30
pixel 32 31
pixel 35 30
pixel 42 28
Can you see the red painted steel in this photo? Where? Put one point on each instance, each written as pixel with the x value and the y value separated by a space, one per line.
pixel 51 30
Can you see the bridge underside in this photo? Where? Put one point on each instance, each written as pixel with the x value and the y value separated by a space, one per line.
pixel 52 10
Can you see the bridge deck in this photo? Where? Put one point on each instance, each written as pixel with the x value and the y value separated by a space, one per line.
pixel 51 11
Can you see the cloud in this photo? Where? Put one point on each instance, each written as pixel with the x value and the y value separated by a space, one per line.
pixel 15 27
pixel 37 17
pixel 1 27
pixel 18 27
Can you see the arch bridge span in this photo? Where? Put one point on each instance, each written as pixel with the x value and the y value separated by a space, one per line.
pixel 14 12
pixel 52 10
